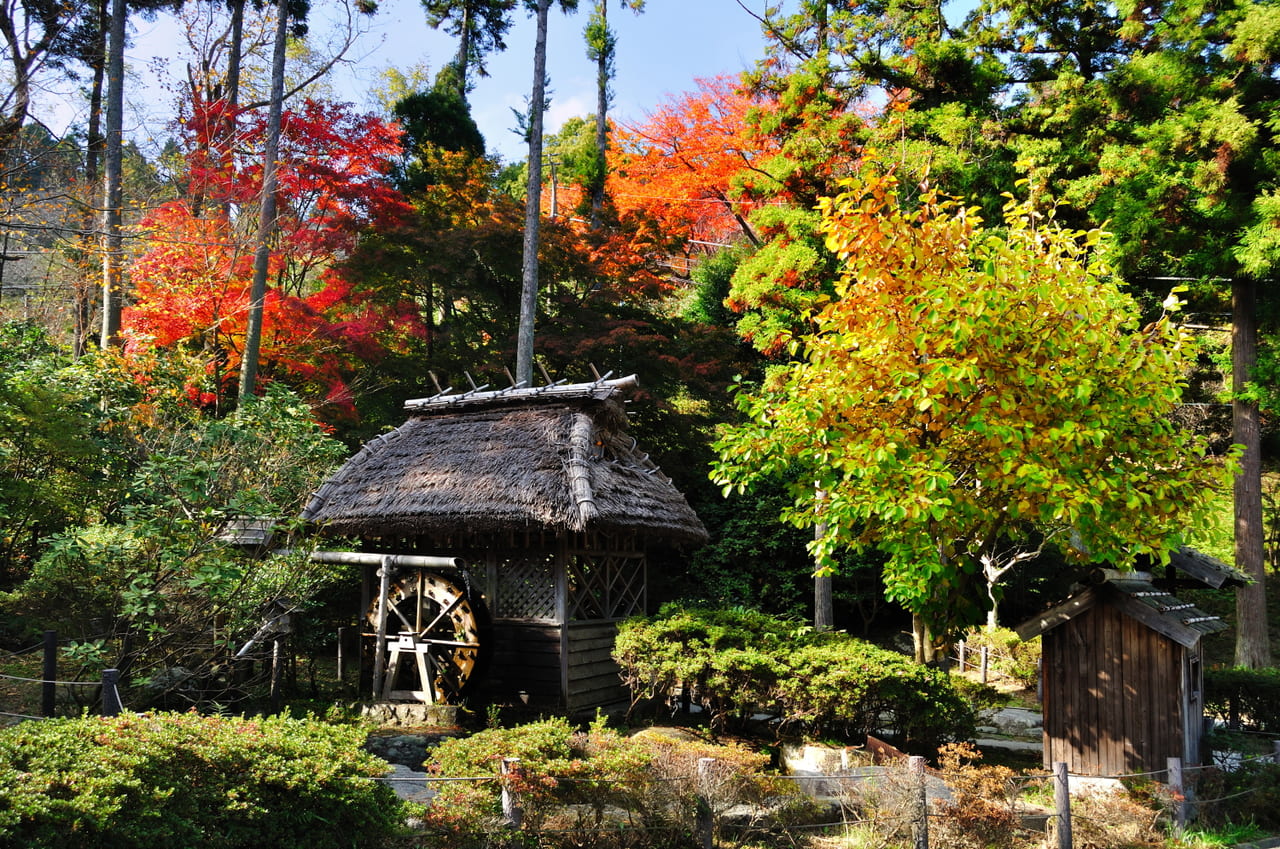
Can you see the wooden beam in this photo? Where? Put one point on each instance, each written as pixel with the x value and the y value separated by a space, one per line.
pixel 1058 614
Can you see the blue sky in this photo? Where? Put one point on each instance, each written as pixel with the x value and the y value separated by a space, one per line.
pixel 660 52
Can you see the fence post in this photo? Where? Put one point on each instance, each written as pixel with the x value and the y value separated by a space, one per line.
pixel 986 663
pixel 110 692
pixel 276 694
pixel 915 766
pixel 1275 751
pixel 1178 792
pixel 705 821
pixel 1062 804
pixel 49 686
pixel 512 814
pixel 342 638
pixel 962 649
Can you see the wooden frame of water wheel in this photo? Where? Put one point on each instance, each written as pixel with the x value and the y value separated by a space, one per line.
pixel 419 611
pixel 430 618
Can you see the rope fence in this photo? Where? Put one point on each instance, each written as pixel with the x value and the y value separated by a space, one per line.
pixel 911 783
pixel 1180 781
pixel 49 682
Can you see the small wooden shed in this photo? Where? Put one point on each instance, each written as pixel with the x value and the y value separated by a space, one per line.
pixel 514 528
pixel 1122 668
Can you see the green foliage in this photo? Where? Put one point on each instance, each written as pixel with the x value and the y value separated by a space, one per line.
pixel 833 681
pixel 1247 795
pixel 48 477
pixel 158 579
pixel 172 781
pixel 738 662
pixel 1008 654
pixel 1247 696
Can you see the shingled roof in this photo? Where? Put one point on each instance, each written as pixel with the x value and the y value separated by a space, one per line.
pixel 553 458
pixel 1137 594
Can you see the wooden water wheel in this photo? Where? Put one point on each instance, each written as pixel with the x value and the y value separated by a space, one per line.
pixel 430 619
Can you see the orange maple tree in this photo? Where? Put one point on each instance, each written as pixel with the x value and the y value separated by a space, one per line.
pixel 683 165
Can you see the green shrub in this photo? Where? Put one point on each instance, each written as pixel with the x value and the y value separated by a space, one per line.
pixel 730 657
pixel 576 785
pixel 839 682
pixel 735 663
pixel 1249 697
pixel 1008 654
pixel 184 780
pixel 1249 794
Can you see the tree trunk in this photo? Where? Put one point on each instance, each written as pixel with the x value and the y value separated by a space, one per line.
pixel 464 52
pixel 604 71
pixel 1253 645
pixel 922 640
pixel 824 614
pixel 112 200
pixel 533 203
pixel 86 291
pixel 267 214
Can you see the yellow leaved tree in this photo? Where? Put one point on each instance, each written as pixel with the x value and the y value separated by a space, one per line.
pixel 970 395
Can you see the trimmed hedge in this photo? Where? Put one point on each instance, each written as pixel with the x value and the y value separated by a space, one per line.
pixel 737 662
pixel 1244 697
pixel 180 780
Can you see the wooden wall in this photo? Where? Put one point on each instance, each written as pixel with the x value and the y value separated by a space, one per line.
pixel 1113 695
pixel 526 658
pixel 592 674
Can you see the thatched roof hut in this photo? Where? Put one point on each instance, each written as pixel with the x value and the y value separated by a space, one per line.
pixel 554 459
pixel 551 506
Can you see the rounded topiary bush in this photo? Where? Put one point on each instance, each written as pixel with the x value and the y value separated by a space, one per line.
pixel 736 663
pixel 178 780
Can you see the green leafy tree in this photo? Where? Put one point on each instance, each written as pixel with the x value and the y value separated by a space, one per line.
pixel 479 25
pixel 158 582
pixel 968 397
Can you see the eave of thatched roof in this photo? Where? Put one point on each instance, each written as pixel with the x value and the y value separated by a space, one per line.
pixel 554 459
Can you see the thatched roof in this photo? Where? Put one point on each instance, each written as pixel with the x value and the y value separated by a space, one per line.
pixel 555 458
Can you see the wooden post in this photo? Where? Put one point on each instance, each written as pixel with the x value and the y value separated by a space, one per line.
pixel 915 766
pixel 342 638
pixel 110 692
pixel 1062 804
pixel 962 647
pixel 1275 748
pixel 986 663
pixel 705 826
pixel 511 811
pixel 1177 792
pixel 380 643
pixel 49 686
pixel 277 670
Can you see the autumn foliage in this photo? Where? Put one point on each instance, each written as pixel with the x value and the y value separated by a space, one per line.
pixel 680 165
pixel 191 283
pixel 970 394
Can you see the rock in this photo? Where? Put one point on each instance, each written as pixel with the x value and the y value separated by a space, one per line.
pixel 1014 722
pixel 408 750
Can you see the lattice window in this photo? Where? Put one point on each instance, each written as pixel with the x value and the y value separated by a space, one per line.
pixel 607 586
pixel 525 589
